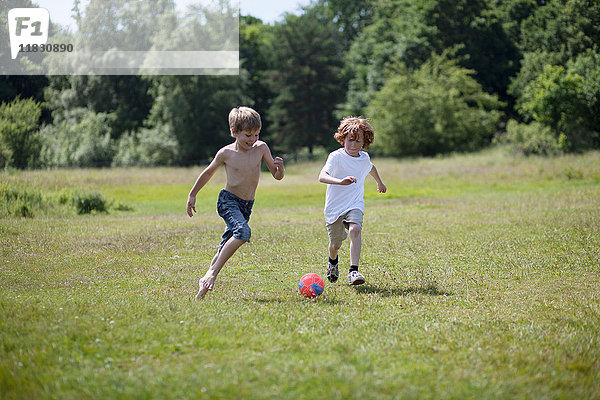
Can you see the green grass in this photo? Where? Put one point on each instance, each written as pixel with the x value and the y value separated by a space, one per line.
pixel 483 281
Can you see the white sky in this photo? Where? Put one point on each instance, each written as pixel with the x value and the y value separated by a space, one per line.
pixel 267 10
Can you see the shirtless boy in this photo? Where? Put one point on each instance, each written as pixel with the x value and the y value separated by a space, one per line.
pixel 242 160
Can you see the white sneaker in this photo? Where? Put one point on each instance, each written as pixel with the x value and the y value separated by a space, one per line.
pixel 356 278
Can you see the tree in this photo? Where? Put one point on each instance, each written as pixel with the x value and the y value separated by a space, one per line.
pixel 567 99
pixel 565 27
pixel 254 61
pixel 82 139
pixel 398 34
pixel 408 32
pixel 107 25
pixel 512 13
pixel 438 108
pixel 24 86
pixel 125 97
pixel 349 16
pixel 553 34
pixel 558 82
pixel 483 44
pixel 305 76
pixel 121 24
pixel 157 146
pixel 19 133
pixel 195 110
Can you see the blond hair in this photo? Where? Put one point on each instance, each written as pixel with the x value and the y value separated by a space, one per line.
pixel 351 126
pixel 244 119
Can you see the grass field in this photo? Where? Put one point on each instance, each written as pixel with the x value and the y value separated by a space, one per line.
pixel 483 281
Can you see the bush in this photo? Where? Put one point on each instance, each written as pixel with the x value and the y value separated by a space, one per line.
pixel 85 203
pixel 156 146
pixel 534 138
pixel 567 99
pixel 19 201
pixel 19 133
pixel 82 140
pixel 126 151
pixel 439 108
pixel 532 65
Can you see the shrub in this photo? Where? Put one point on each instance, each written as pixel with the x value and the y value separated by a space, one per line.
pixel 85 203
pixel 82 140
pixel 439 108
pixel 122 207
pixel 567 99
pixel 534 138
pixel 126 151
pixel 155 146
pixel 19 201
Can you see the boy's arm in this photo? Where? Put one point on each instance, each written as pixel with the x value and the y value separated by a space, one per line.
pixel 324 177
pixel 380 186
pixel 275 165
pixel 202 180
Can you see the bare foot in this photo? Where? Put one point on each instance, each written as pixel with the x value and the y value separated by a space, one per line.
pixel 205 284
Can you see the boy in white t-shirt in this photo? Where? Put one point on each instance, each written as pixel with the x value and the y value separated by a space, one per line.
pixel 344 173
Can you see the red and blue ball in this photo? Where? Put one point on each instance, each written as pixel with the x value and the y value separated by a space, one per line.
pixel 311 285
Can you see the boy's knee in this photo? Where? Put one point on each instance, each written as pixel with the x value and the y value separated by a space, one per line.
pixel 243 232
pixel 335 245
pixel 355 230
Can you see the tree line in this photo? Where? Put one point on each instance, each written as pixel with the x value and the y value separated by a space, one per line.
pixel 433 76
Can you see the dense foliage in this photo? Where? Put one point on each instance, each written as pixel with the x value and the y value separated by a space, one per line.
pixel 438 108
pixel 434 76
pixel 19 135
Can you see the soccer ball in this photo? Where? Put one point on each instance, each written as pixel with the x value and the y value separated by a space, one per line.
pixel 311 285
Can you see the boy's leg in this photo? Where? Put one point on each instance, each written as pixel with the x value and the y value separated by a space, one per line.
pixel 238 232
pixel 332 265
pixel 208 280
pixel 333 249
pixel 355 243
pixel 355 232
pixel 337 234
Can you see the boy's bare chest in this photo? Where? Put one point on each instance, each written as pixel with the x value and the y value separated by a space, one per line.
pixel 244 162
pixel 243 172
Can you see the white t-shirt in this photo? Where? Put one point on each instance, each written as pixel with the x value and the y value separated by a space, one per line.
pixel 340 199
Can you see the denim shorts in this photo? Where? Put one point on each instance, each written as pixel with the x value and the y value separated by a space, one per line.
pixel 236 213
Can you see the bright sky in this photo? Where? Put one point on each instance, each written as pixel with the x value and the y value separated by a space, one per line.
pixel 267 10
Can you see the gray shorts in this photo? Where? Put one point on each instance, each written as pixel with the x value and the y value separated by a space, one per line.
pixel 337 230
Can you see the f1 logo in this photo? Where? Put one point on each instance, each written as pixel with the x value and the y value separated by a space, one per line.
pixel 27 26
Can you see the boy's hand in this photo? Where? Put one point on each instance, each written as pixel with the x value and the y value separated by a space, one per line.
pixel 381 188
pixel 191 205
pixel 278 162
pixel 348 180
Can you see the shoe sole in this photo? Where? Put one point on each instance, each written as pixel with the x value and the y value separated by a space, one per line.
pixel 357 282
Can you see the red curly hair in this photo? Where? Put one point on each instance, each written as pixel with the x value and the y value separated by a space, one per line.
pixel 351 126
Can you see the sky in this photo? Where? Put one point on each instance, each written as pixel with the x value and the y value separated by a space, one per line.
pixel 268 10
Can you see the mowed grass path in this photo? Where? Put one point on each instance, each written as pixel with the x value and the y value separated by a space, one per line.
pixel 483 281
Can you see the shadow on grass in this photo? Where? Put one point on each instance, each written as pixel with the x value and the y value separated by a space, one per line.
pixel 430 289
pixel 264 300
